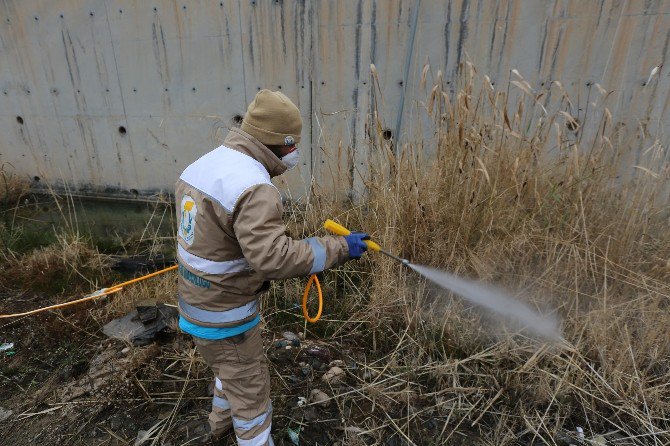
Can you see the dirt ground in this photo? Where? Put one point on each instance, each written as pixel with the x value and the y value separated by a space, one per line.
pixel 66 383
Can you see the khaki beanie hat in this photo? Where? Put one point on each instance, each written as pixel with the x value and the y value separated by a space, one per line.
pixel 273 119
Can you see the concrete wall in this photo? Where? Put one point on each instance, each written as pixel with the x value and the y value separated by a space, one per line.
pixel 114 97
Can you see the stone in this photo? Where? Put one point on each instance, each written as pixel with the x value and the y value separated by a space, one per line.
pixel 599 440
pixel 334 375
pixel 295 380
pixel 319 352
pixel 5 413
pixel 319 398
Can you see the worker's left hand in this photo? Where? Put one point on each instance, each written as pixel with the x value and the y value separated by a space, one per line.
pixel 356 244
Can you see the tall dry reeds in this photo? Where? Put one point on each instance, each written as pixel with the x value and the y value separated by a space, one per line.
pixel 512 186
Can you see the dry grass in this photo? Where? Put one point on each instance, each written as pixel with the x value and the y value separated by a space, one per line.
pixel 512 189
pixel 160 289
pixel 12 186
pixel 71 264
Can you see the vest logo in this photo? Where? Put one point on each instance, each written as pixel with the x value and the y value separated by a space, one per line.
pixel 187 219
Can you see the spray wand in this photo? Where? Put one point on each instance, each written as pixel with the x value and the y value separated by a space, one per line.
pixel 338 229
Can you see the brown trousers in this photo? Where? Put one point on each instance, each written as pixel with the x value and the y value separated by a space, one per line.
pixel 242 387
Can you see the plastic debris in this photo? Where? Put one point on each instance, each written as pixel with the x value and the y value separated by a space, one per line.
pixel 294 436
pixel 147 313
pixel 141 325
pixel 6 346
pixel 289 335
pixel 301 401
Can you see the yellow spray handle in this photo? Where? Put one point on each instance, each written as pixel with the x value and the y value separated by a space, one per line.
pixel 338 229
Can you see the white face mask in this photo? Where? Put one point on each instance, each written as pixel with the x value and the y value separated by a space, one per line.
pixel 292 159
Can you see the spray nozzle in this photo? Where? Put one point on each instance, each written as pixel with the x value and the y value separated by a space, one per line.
pixel 338 229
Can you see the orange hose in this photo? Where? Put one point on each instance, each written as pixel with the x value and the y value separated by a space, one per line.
pixel 305 295
pixel 105 292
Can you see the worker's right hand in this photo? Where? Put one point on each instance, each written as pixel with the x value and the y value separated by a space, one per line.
pixel 356 244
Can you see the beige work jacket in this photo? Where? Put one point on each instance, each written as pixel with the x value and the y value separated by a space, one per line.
pixel 231 236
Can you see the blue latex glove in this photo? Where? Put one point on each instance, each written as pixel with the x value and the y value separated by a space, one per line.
pixel 356 244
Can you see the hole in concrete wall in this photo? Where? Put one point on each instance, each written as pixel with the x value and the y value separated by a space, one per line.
pixel 134 192
pixel 237 119
pixel 19 119
pixel 387 134
pixel 36 179
pixel 122 130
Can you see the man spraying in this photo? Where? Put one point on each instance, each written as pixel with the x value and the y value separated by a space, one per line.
pixel 231 241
